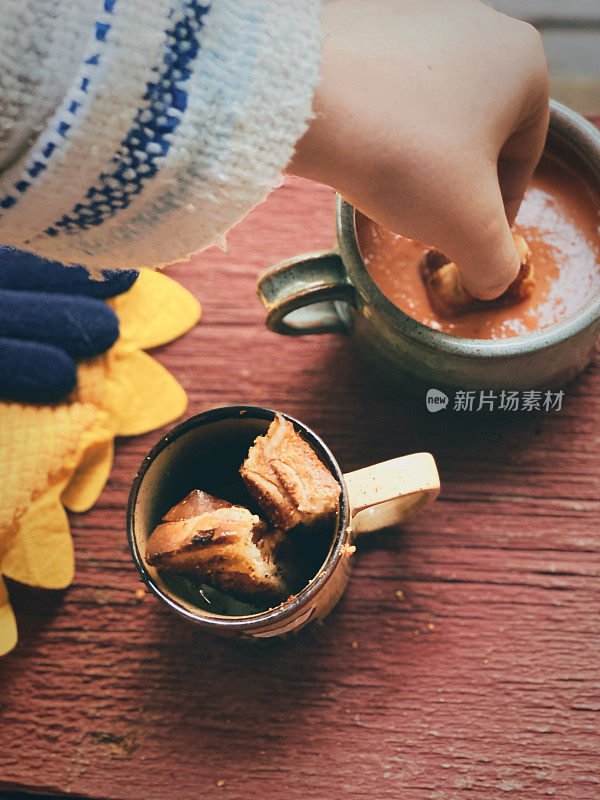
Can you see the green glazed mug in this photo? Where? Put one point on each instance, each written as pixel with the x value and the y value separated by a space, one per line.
pixel 332 292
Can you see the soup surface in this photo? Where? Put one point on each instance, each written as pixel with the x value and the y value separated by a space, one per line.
pixel 560 221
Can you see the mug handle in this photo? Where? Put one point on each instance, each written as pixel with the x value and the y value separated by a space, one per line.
pixel 391 492
pixel 300 283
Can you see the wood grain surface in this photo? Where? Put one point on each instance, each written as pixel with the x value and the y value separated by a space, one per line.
pixel 463 661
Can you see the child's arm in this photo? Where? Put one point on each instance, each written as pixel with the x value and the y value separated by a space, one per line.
pixel 142 133
pixel 430 118
pixel 135 132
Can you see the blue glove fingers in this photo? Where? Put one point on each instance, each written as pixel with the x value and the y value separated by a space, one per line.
pixel 81 326
pixel 22 270
pixel 35 373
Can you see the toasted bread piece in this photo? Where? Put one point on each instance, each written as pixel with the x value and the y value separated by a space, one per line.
pixel 229 548
pixel 195 503
pixel 447 295
pixel 288 480
pixel 522 286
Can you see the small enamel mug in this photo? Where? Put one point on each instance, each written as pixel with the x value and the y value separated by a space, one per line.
pixel 332 292
pixel 205 452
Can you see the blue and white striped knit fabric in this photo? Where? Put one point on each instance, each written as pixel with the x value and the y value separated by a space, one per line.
pixel 135 132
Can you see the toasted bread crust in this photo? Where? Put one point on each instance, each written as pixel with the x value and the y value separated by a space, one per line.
pixel 230 548
pixel 195 503
pixel 447 295
pixel 287 479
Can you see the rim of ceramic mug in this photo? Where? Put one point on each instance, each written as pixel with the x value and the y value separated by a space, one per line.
pixel 576 134
pixel 288 607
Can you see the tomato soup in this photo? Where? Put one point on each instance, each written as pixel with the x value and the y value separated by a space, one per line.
pixel 560 221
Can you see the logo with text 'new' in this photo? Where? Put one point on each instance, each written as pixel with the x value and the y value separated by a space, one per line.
pixel 436 400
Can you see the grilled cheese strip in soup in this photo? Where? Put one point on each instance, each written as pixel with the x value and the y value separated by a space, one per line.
pixel 445 291
pixel 288 480
pixel 228 547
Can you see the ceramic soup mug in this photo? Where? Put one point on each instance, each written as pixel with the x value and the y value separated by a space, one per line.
pixel 205 452
pixel 332 292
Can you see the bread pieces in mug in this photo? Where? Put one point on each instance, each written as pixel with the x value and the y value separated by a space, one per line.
pixel 229 547
pixel 288 480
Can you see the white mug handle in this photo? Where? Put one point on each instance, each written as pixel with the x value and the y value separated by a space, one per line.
pixel 391 492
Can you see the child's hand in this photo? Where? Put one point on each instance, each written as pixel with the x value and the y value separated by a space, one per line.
pixel 430 119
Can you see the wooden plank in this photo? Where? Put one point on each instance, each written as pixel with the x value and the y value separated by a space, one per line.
pixel 480 680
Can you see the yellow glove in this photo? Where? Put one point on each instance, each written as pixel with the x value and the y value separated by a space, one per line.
pixel 55 456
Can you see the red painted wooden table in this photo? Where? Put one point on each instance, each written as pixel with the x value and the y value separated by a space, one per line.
pixel 463 661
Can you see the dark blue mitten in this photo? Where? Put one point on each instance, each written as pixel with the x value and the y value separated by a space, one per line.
pixel 51 315
pixel 22 270
pixel 31 372
pixel 81 326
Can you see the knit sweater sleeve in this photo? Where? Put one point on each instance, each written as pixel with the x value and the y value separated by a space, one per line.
pixel 136 132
